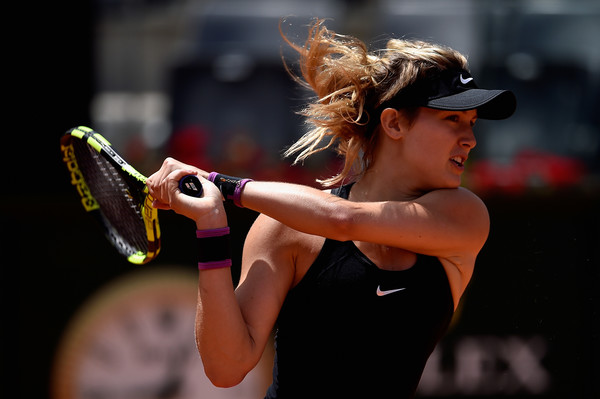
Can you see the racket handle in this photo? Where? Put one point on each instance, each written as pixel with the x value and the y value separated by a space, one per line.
pixel 190 185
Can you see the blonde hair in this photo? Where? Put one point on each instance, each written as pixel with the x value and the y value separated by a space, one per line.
pixel 351 84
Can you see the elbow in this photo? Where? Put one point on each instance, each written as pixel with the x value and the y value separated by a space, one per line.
pixel 221 379
pixel 225 374
pixel 223 368
pixel 222 371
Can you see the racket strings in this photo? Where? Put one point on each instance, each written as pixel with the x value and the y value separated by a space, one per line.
pixel 119 201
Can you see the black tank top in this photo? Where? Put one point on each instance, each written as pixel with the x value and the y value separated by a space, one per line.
pixel 349 329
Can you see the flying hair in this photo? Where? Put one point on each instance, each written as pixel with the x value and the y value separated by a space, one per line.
pixel 351 83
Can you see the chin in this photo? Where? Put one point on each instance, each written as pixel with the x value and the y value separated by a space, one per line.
pixel 447 182
pixel 455 183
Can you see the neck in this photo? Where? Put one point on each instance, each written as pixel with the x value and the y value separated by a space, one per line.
pixel 386 179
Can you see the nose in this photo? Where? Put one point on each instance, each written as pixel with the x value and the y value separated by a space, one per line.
pixel 467 139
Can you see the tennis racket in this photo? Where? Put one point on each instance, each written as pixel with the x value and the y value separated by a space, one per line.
pixel 116 194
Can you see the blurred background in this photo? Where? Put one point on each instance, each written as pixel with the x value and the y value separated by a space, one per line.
pixel 203 81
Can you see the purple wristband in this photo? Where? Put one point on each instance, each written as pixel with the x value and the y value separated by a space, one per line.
pixel 237 194
pixel 212 176
pixel 214 265
pixel 212 232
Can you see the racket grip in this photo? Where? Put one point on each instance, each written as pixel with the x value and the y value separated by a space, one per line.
pixel 190 185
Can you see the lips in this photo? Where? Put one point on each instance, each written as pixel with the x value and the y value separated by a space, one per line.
pixel 459 160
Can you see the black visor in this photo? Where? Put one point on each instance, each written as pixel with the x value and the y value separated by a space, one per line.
pixel 455 90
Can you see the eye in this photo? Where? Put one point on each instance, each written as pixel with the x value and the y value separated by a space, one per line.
pixel 453 118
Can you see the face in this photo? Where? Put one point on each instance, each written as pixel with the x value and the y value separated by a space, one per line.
pixel 436 146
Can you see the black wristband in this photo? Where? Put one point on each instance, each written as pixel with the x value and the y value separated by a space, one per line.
pixel 214 251
pixel 230 187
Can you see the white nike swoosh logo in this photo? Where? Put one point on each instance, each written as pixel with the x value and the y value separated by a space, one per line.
pixel 387 292
pixel 465 81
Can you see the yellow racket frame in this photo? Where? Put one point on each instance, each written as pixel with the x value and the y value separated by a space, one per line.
pixel 103 146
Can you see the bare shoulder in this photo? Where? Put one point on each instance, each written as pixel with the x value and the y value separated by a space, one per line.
pixel 267 243
pixel 460 222
pixel 461 205
pixel 286 250
pixel 268 234
pixel 465 210
pixel 472 207
pixel 457 198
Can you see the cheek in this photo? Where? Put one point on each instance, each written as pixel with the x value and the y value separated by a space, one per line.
pixel 429 138
pixel 429 155
pixel 423 157
pixel 428 146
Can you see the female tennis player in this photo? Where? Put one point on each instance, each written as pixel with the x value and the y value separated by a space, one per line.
pixel 360 281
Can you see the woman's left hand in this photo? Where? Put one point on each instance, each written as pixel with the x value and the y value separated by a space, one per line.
pixel 207 211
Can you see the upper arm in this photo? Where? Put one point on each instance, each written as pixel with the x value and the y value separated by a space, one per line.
pixel 447 223
pixel 267 274
pixel 444 223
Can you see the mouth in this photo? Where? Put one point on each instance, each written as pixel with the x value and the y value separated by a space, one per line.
pixel 459 160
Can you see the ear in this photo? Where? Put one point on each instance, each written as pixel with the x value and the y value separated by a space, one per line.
pixel 393 123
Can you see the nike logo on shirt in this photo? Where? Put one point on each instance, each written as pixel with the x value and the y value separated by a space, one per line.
pixel 380 292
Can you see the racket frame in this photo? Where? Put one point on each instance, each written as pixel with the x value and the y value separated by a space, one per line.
pixel 149 214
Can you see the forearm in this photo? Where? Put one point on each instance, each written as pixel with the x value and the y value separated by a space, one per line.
pixel 222 336
pixel 300 207
pixel 303 208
